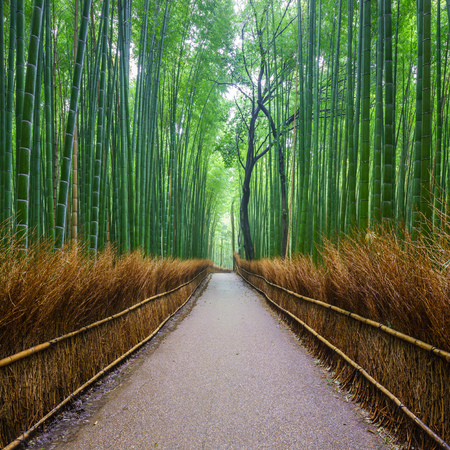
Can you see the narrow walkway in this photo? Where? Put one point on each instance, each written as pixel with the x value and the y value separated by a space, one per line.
pixel 228 376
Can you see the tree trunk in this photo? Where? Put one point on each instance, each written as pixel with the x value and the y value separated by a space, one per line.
pixel 232 228
pixel 245 224
pixel 365 119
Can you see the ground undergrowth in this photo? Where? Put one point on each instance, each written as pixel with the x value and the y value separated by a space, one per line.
pixel 389 278
pixel 394 280
pixel 50 293
pixel 47 294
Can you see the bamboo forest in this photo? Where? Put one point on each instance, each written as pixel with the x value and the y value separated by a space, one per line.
pixel 195 128
pixel 302 144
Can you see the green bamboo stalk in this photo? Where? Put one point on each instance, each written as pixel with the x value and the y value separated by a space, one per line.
pixel 359 83
pixel 23 175
pixel 389 160
pixel 9 117
pixel 425 187
pixel 438 196
pixel 20 75
pixel 75 152
pixel 154 83
pixel 2 121
pixel 341 177
pixel 401 209
pixel 448 10
pixel 126 162
pixel 152 219
pixel 331 207
pixel 63 192
pixel 100 133
pixel 316 163
pixel 376 191
pixel 116 212
pixel 303 170
pixel 351 211
pixel 140 123
pixel 93 76
pixel 306 219
pixel 445 145
pixel 84 149
pixel 49 131
pixel 36 158
pixel 394 103
pixel 108 209
pixel 417 182
pixel 365 121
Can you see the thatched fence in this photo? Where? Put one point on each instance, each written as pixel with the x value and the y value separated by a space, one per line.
pixel 403 382
pixel 37 382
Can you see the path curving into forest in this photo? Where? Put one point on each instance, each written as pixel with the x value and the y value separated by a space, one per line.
pixel 229 375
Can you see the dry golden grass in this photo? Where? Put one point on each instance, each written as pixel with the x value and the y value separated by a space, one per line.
pixel 398 282
pixel 48 294
pixel 402 284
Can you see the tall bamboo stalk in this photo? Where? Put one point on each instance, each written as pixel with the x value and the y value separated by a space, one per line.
pixel 365 120
pixel 2 121
pixel 26 140
pixel 389 132
pixel 417 183
pixel 425 187
pixel 9 117
pixel 63 192
pixel 49 131
pixel 351 211
pixel 100 133
pixel 379 113
pixel 438 195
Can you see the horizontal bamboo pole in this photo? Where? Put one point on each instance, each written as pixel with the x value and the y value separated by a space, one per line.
pixel 38 348
pixel 442 353
pixel 379 386
pixel 28 434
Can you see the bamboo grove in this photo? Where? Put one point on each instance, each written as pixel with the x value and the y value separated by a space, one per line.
pixel 107 114
pixel 341 120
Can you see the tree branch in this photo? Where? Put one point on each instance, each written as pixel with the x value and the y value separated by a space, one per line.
pixel 225 83
pixel 267 114
pixel 238 151
pixel 262 143
pixel 242 114
pixel 260 155
pixel 276 34
pixel 243 54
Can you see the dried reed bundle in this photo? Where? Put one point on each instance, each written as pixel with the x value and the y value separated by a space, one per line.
pixel 49 294
pixel 400 283
pixel 52 293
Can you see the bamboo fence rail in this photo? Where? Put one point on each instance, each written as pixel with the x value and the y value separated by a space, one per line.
pixel 29 434
pixel 38 348
pixel 33 381
pixel 442 353
pixel 375 351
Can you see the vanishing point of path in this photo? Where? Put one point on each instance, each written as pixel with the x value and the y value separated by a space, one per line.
pixel 228 376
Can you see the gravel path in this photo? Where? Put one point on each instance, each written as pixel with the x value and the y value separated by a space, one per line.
pixel 228 376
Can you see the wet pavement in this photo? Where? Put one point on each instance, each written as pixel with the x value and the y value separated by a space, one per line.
pixel 225 374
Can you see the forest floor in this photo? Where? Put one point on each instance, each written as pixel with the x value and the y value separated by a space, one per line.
pixel 224 373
